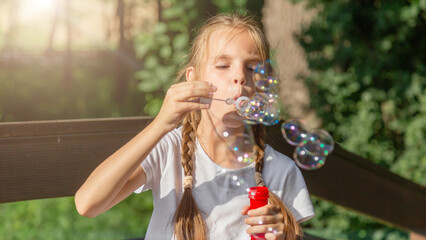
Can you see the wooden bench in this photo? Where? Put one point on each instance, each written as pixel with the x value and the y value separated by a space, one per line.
pixel 48 159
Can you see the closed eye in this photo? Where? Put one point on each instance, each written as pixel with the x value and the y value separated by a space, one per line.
pixel 222 66
pixel 251 69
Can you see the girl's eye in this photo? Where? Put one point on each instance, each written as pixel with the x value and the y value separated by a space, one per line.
pixel 251 69
pixel 222 66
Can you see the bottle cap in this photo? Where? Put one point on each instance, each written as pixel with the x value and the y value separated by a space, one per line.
pixel 257 193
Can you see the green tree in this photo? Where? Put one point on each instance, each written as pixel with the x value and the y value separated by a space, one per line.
pixel 367 83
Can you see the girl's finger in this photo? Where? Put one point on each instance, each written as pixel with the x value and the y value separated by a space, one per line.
pixel 268 228
pixel 184 94
pixel 265 210
pixel 190 106
pixel 245 210
pixel 274 235
pixel 265 219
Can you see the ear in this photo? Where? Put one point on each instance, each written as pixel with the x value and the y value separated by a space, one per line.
pixel 190 74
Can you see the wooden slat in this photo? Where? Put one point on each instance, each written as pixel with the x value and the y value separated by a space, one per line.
pixel 79 126
pixel 53 158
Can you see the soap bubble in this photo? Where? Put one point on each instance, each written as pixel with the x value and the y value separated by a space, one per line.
pixel 241 144
pixel 263 69
pixel 306 160
pixel 265 83
pixel 252 109
pixel 264 77
pixel 319 142
pixel 272 114
pixel 294 132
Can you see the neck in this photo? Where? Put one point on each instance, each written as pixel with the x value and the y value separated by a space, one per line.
pixel 210 136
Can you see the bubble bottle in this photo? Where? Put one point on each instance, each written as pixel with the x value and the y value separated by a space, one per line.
pixel 258 198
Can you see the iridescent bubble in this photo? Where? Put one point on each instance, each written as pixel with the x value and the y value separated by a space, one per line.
pixel 265 83
pixel 306 160
pixel 264 77
pixel 251 109
pixel 272 114
pixel 242 103
pixel 241 145
pixel 294 132
pixel 319 142
pixel 264 68
pixel 271 96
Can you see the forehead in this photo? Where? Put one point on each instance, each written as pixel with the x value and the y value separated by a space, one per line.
pixel 231 42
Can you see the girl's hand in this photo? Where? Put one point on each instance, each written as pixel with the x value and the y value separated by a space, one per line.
pixel 267 219
pixel 176 106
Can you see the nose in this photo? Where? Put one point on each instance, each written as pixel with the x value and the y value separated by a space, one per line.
pixel 240 76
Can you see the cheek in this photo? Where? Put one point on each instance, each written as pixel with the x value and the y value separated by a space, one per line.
pixel 223 89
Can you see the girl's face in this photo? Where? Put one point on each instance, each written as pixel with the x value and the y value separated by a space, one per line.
pixel 231 59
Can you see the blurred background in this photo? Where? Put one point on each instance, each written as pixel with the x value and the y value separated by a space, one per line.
pixel 355 68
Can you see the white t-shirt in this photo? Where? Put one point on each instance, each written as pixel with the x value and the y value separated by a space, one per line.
pixel 220 193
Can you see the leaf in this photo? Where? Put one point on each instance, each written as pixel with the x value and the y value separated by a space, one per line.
pixel 160 28
pixel 149 85
pixel 180 42
pixel 151 62
pixel 166 51
pixel 175 11
pixel 153 107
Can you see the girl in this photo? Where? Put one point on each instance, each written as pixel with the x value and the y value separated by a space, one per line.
pixel 199 189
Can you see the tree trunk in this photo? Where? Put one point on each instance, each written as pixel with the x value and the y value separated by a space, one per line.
pixel 12 30
pixel 68 56
pixel 122 74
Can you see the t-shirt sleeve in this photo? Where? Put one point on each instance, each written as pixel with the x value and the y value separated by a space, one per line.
pixel 152 165
pixel 296 196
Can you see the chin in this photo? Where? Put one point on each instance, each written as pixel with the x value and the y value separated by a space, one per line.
pixel 233 120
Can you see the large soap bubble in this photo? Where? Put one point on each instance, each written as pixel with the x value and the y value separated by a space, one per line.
pixel 294 131
pixel 319 142
pixel 241 144
pixel 306 160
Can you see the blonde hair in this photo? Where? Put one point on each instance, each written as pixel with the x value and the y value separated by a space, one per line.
pixel 189 223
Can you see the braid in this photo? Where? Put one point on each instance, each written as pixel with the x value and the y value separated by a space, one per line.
pixel 189 224
pixel 292 228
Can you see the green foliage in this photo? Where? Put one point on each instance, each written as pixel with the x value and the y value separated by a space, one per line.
pixel 368 85
pixel 163 51
pixel 57 219
pixel 37 91
pixel 229 6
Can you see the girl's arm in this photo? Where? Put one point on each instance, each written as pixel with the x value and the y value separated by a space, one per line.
pixel 120 174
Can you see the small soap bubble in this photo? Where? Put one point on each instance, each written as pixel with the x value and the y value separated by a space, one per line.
pixel 264 77
pixel 242 103
pixel 306 160
pixel 319 142
pixel 229 101
pixel 294 132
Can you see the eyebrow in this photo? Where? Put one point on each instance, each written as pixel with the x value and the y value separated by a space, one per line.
pixel 222 57
pixel 227 57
